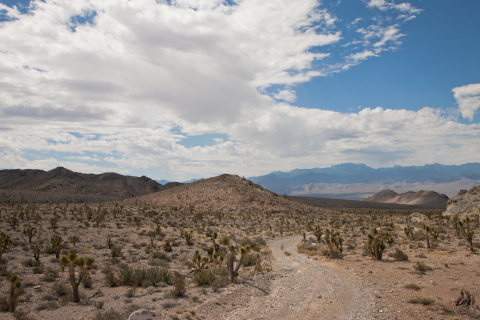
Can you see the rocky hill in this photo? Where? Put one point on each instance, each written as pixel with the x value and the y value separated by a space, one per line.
pixel 61 181
pixel 464 203
pixel 226 193
pixel 423 198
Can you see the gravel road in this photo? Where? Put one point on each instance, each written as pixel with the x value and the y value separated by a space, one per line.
pixel 307 289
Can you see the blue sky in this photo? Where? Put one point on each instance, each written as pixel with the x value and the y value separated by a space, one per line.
pixel 193 88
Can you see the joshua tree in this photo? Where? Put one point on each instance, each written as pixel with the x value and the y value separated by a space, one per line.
pixel 210 253
pixel 408 231
pixel 167 246
pixel 15 287
pixel 469 238
pixel 53 223
pixel 5 243
pixel 428 230
pixel 83 264
pixel 74 240
pixel 234 271
pixel 56 242
pixel 188 237
pixel 199 261
pixel 36 251
pixel 152 235
pixel 318 233
pixel 216 247
pixel 30 232
pixel 376 241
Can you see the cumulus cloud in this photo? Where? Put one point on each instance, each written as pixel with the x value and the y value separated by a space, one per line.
pixel 137 77
pixel 468 99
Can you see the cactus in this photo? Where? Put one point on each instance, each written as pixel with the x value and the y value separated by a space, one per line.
pixel 5 243
pixel 15 287
pixel 36 251
pixel 30 232
pixel 376 242
pixel 56 242
pixel 234 271
pixel 83 264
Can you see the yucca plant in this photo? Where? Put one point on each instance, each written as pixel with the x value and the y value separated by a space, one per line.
pixel 199 261
pixel 203 277
pixel 83 264
pixel 318 233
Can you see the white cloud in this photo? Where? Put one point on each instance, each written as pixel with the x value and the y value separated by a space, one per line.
pixel 468 99
pixel 287 95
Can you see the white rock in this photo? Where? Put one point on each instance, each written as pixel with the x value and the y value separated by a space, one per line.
pixel 141 314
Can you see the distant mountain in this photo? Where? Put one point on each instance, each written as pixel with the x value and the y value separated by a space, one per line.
pixel 429 199
pixel 358 181
pixel 61 181
pixel 163 181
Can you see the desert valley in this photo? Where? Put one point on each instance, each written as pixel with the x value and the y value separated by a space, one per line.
pixel 226 248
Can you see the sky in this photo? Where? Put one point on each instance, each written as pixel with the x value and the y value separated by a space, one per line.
pixel 182 89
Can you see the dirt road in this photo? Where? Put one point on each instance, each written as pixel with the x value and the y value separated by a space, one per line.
pixel 307 289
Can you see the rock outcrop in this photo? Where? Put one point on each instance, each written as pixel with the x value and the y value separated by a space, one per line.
pixel 464 203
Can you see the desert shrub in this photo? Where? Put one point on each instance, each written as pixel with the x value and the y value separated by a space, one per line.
pixel 110 279
pixel 60 289
pixel 412 286
pixel 203 278
pixel 250 260
pixel 48 297
pixel 50 305
pixel 158 263
pixel 38 269
pixel 421 267
pixel 179 289
pixel 424 301
pixel 4 304
pixel 98 304
pixel 87 281
pixel 49 250
pixel 161 256
pixel 399 255
pixel 146 277
pixel 21 314
pixel 30 263
pixel 4 271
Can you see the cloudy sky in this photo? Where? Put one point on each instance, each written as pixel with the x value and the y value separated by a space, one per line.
pixel 181 89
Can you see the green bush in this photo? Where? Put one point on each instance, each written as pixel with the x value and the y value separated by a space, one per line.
pixel 399 255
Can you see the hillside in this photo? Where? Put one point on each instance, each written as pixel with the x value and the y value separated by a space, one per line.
pixel 357 181
pixel 226 193
pixel 423 198
pixel 61 181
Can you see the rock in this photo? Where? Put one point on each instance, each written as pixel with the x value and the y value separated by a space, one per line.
pixel 141 314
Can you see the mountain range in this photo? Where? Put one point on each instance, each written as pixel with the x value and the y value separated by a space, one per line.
pixel 358 181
